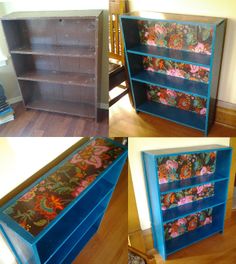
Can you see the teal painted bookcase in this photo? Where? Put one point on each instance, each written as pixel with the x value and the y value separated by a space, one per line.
pixel 174 65
pixel 187 191
pixel 51 220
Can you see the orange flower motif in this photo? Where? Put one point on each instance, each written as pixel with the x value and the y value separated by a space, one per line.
pixel 163 172
pixel 185 172
pixel 192 224
pixel 184 103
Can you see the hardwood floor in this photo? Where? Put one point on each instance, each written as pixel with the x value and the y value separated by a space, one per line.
pixel 109 245
pixel 220 249
pixel 39 123
pixel 123 121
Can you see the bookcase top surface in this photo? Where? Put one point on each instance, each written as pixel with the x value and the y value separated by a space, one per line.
pixel 35 208
pixel 193 149
pixel 174 17
pixel 85 14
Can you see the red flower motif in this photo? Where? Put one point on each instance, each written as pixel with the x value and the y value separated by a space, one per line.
pixel 184 103
pixel 47 205
pixel 176 41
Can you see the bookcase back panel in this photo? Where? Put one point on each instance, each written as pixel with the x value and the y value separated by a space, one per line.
pixel 180 167
pixel 176 99
pixel 70 93
pixel 185 196
pixel 177 69
pixel 59 31
pixel 52 63
pixel 188 224
pixel 176 36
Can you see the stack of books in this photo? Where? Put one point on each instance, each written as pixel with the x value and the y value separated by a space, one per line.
pixel 6 111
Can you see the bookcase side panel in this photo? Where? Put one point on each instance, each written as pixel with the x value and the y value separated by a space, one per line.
pixel 216 67
pixel 153 195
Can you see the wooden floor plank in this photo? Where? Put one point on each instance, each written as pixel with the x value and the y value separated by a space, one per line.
pixel 40 123
pixel 220 248
pixel 124 121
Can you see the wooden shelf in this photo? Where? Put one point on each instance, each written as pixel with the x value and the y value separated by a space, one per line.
pixel 54 50
pixel 191 182
pixel 172 54
pixel 175 83
pixel 67 78
pixel 174 114
pixel 64 107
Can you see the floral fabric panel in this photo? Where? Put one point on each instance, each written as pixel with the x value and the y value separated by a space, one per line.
pixel 190 195
pixel 187 224
pixel 180 100
pixel 180 167
pixel 176 36
pixel 176 69
pixel 40 205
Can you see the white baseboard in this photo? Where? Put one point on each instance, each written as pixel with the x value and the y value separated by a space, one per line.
pixel 19 99
pixel 14 100
pixel 226 105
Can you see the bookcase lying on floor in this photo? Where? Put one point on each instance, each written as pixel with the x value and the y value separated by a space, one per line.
pixel 52 220
pixel 187 191
pixel 174 65
pixel 57 59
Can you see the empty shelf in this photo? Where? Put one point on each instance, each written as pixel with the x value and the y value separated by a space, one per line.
pixel 172 54
pixel 175 114
pixel 67 78
pixel 65 107
pixel 53 50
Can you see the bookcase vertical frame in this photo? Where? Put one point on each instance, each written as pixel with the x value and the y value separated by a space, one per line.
pixel 150 167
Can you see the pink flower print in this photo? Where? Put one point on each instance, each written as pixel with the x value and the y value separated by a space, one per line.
pixel 203 170
pixel 160 30
pixel 84 183
pixel 171 93
pixel 174 72
pixel 174 234
pixel 41 189
pixel 162 180
pixel 182 221
pixel 199 48
pixel 208 220
pixel 184 200
pixel 90 155
pixel 163 207
pixel 200 189
pixel 203 111
pixel 194 68
pixel 151 42
pixel 163 101
pixel 77 191
pixel 150 69
pixel 172 164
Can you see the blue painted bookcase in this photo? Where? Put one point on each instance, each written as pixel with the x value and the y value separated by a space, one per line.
pixel 51 220
pixel 174 65
pixel 187 191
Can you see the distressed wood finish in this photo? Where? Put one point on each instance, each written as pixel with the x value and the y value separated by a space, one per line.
pixel 57 51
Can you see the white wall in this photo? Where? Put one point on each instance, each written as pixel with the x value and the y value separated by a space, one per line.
pixel 218 8
pixel 20 158
pixel 7 76
pixel 136 145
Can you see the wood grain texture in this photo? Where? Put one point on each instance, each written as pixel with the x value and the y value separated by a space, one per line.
pixel 109 245
pixel 37 123
pixel 124 121
pixel 220 248
pixel 226 116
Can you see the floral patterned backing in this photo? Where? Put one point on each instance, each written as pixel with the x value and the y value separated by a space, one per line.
pixel 180 100
pixel 176 69
pixel 185 196
pixel 40 205
pixel 176 36
pixel 180 167
pixel 187 224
